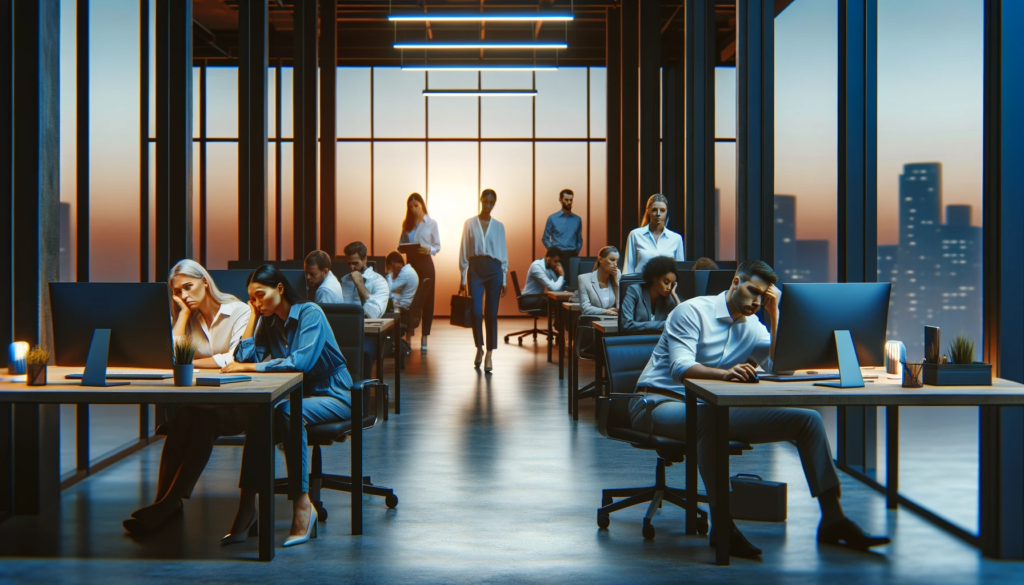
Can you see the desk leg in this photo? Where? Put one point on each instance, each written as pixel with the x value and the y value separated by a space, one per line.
pixel 356 472
pixel 561 343
pixel 294 445
pixel 399 359
pixel 722 518
pixel 551 329
pixel 598 368
pixel 380 369
pixel 263 420
pixel 691 463
pixel 892 457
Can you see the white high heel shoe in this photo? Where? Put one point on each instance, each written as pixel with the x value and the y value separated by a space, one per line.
pixel 311 528
pixel 237 537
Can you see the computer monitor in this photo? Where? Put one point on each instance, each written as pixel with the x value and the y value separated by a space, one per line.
pixel 718 281
pixel 138 316
pixel 233 281
pixel 575 268
pixel 810 314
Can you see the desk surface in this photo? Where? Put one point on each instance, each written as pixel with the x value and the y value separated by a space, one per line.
pixel 378 325
pixel 881 392
pixel 559 295
pixel 571 306
pixel 262 389
pixel 607 326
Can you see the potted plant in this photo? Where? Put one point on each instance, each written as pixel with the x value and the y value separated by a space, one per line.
pixel 36 360
pixel 184 353
pixel 961 370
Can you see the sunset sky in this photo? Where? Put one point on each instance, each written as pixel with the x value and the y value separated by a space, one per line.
pixel 930 109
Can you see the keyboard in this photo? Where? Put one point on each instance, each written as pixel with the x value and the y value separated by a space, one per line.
pixel 801 378
pixel 127 376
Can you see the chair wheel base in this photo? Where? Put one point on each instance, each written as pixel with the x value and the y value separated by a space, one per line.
pixel 648 530
pixel 391 501
pixel 702 526
pixel 603 520
pixel 321 511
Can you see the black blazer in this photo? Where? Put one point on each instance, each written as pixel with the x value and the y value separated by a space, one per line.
pixel 635 314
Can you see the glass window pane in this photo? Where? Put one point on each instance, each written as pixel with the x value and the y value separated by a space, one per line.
pixel 68 121
pixel 725 102
pixel 560 165
pixel 353 182
pixel 221 204
pixel 353 102
pixel 725 202
pixel 598 198
pixel 197 84
pixel 221 102
pixel 287 122
pixel 502 168
pixel 399 168
pixel 272 102
pixel 398 103
pixel 452 195
pixel 562 103
pixel 806 135
pixel 287 200
pixel 598 102
pixel 452 117
pixel 506 117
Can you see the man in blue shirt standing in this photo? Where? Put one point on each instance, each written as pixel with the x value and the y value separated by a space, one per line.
pixel 564 230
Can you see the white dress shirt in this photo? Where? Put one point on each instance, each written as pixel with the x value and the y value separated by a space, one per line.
pixel 218 341
pixel 476 243
pixel 607 296
pixel 403 288
pixel 329 291
pixel 377 286
pixel 540 278
pixel 641 247
pixel 425 234
pixel 701 331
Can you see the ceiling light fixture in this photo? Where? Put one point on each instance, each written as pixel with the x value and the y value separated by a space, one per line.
pixel 479 68
pixel 497 17
pixel 479 92
pixel 482 45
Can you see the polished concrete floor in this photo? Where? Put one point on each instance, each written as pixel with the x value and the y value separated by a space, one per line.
pixel 497 485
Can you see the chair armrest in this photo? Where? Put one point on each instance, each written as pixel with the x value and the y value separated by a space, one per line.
pixel 365 383
pixel 669 393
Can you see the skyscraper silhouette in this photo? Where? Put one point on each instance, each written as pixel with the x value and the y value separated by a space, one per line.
pixel 797 260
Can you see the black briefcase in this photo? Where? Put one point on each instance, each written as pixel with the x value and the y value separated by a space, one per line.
pixel 462 311
pixel 756 499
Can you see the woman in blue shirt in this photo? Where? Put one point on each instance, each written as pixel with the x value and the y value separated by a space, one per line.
pixel 653 238
pixel 293 335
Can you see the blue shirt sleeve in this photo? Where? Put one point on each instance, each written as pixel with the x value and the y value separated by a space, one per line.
pixel 579 235
pixel 549 231
pixel 254 349
pixel 305 349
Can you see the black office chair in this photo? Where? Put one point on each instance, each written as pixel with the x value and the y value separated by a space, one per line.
pixel 719 281
pixel 251 265
pixel 535 306
pixel 347 323
pixel 625 358
pixel 626 281
pixel 587 350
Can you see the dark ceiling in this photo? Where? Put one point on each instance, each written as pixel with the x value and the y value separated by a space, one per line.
pixel 366 37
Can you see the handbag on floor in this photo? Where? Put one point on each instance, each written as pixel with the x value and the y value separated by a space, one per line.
pixel 462 311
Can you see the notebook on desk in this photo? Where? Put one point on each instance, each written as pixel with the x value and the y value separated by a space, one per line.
pixel 128 376
pixel 222 380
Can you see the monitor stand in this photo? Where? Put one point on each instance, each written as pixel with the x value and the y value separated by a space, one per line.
pixel 849 367
pixel 96 363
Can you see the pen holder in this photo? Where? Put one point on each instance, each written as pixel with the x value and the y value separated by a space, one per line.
pixel 912 377
pixel 36 375
pixel 16 353
pixel 183 375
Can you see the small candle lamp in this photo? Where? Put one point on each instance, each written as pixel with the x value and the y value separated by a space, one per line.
pixel 16 353
pixel 895 355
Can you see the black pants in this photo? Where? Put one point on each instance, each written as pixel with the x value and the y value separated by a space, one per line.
pixel 484 279
pixel 423 264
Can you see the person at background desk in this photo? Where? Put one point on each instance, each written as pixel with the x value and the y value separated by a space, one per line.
pixel 545 274
pixel 712 338
pixel 365 287
pixel 321 281
pixel 653 238
pixel 292 335
pixel 418 228
pixel 564 230
pixel 645 307
pixel 483 262
pixel 705 263
pixel 215 322
pixel 403 282
pixel 599 290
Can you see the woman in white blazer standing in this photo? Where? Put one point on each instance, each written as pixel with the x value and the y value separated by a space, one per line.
pixel 599 290
pixel 653 238
pixel 483 262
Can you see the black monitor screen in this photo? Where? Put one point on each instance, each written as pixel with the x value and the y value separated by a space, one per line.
pixel 809 315
pixel 137 314
pixel 233 281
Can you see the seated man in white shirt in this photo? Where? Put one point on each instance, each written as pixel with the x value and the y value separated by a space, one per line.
pixel 320 281
pixel 364 286
pixel 403 281
pixel 712 338
pixel 545 274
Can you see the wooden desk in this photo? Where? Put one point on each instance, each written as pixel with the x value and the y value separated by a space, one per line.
pixel 721 396
pixel 602 329
pixel 264 392
pixel 379 328
pixel 556 298
pixel 572 312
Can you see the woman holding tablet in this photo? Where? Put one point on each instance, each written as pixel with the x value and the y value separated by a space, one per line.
pixel 419 229
pixel 653 238
pixel 483 262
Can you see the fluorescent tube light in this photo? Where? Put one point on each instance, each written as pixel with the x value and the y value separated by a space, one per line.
pixel 479 92
pixel 471 17
pixel 479 68
pixel 482 45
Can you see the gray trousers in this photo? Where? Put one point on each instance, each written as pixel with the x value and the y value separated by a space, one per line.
pixel 750 425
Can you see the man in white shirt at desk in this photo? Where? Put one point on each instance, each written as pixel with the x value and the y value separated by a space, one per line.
pixel 320 280
pixel 545 274
pixel 402 280
pixel 713 338
pixel 364 286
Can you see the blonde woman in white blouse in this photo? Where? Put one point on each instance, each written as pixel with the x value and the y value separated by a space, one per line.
pixel 214 320
pixel 483 262
pixel 653 238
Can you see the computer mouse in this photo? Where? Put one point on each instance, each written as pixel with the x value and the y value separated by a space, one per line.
pixel 754 380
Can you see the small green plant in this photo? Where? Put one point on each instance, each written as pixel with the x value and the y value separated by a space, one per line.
pixel 961 351
pixel 184 351
pixel 37 356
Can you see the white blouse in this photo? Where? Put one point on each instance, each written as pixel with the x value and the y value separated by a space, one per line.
pixel 476 243
pixel 607 296
pixel 425 234
pixel 641 247
pixel 218 340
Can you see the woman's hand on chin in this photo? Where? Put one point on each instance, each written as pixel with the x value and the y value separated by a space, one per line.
pixel 236 367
